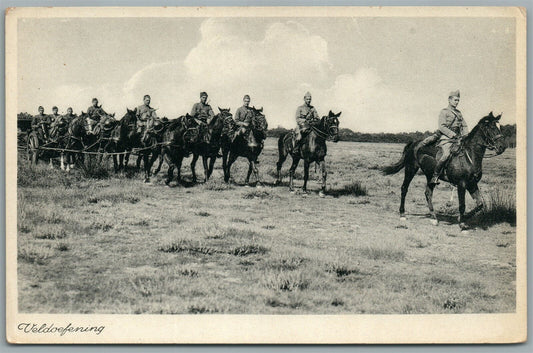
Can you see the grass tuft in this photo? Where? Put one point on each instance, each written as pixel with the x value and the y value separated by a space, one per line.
pixel 248 249
pixel 184 245
pixel 377 253
pixel 286 280
pixel 500 207
pixel 355 188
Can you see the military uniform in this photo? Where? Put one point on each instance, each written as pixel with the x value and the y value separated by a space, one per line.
pixel 40 124
pixel 203 112
pixel 451 127
pixel 304 114
pixel 243 119
pixel 70 117
pixel 94 115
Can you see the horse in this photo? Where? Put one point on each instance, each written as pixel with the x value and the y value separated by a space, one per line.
pixel 59 138
pixel 312 149
pixel 179 135
pixel 249 145
pixel 148 145
pixel 464 169
pixel 108 130
pixel 77 140
pixel 209 150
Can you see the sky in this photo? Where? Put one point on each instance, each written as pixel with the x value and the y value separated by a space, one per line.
pixel 385 74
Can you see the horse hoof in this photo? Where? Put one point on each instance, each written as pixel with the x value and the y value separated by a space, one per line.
pixel 321 194
pixel 434 222
pixel 246 185
pixel 403 218
pixel 258 186
pixel 147 181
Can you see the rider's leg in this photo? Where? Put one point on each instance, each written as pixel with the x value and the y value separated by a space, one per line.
pixel 441 163
pixel 426 142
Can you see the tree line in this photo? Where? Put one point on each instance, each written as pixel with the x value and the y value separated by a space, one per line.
pixel 509 131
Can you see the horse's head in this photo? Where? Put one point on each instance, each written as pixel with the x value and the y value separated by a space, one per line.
pixel 259 122
pixel 330 124
pixel 492 136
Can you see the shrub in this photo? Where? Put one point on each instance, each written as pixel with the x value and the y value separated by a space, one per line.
pixel 286 280
pixel 499 206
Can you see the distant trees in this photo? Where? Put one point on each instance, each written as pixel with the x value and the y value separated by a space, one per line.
pixel 509 131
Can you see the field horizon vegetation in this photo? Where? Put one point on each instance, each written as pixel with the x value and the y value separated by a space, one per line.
pixel 96 242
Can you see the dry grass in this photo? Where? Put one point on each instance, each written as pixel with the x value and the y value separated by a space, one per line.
pixel 116 245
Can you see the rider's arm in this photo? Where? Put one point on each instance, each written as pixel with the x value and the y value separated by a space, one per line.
pixel 194 110
pixel 464 128
pixel 300 119
pixel 444 121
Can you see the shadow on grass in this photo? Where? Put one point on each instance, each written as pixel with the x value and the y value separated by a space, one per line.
pixel 352 189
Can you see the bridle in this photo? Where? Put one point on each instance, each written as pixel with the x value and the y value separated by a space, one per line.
pixel 490 141
pixel 332 129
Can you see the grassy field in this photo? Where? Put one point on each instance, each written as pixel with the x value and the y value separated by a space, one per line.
pixel 117 245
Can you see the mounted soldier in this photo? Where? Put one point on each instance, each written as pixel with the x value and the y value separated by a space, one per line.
pixel 70 116
pixel 41 124
pixel 55 115
pixel 94 113
pixel 452 127
pixel 305 114
pixel 146 117
pixel 243 118
pixel 203 114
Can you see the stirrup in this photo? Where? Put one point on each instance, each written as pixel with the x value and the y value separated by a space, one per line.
pixel 434 180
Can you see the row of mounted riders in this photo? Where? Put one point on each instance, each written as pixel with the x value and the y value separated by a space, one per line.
pixel 173 140
pixel 176 139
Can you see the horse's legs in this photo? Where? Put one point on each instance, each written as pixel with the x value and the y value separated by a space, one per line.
pixel 204 162
pixel 231 159
pixel 147 166
pixel 410 172
pixel 193 166
pixel 158 169
pixel 62 158
pixel 256 172
pixel 170 164
pixel 473 190
pixel 139 159
pixel 429 199
pixel 224 163
pixel 179 161
pixel 51 164
pixel 306 175
pixel 250 169
pixel 324 177
pixel 126 159
pixel 212 161
pixel 281 159
pixel 295 161
pixel 461 196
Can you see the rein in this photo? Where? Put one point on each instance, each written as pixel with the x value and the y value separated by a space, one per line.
pixel 320 133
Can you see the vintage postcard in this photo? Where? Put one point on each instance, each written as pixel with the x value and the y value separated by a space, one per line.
pixel 266 175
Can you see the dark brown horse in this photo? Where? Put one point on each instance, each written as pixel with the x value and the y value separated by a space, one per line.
pixel 179 135
pixel 249 145
pixel 209 151
pixel 312 149
pixel 147 146
pixel 463 170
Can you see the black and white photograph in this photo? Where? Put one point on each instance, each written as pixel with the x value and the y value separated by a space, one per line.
pixel 266 175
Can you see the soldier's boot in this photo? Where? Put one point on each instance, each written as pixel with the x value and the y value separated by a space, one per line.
pixel 297 139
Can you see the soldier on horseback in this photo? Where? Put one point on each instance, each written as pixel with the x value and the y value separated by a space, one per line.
pixel 146 117
pixel 203 114
pixel 70 116
pixel 243 118
pixel 40 124
pixel 55 115
pixel 452 127
pixel 94 113
pixel 305 114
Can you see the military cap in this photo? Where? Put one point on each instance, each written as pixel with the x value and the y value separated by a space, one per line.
pixel 95 99
pixel 40 107
pixel 307 94
pixel 54 107
pixel 69 108
pixel 455 94
pixel 203 94
pixel 147 96
pixel 246 96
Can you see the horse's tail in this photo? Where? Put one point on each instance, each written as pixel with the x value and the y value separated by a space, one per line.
pixel 396 167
